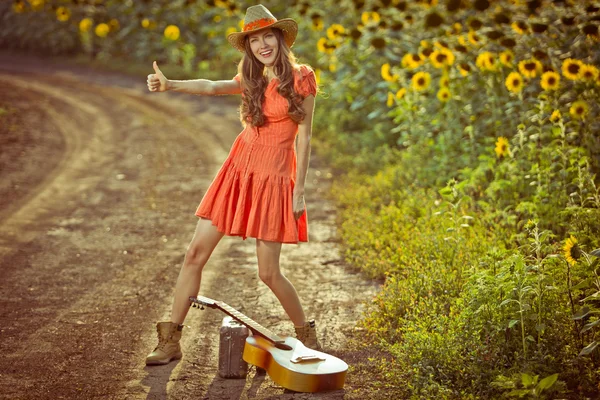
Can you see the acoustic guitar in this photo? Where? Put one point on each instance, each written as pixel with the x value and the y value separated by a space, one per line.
pixel 288 362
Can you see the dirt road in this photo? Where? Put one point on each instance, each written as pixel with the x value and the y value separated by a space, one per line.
pixel 99 183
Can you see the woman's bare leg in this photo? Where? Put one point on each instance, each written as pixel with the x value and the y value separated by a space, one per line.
pixel 198 252
pixel 269 272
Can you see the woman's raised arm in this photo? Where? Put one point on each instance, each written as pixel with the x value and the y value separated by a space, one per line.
pixel 205 86
pixel 157 82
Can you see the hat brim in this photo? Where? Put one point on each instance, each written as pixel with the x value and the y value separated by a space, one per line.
pixel 288 26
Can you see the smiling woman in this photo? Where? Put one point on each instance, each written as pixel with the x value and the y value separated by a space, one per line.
pixel 259 190
pixel 264 46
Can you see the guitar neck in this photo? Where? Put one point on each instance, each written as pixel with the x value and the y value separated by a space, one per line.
pixel 254 326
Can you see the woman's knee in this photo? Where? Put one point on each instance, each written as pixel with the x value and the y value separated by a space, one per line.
pixel 269 275
pixel 203 243
pixel 196 256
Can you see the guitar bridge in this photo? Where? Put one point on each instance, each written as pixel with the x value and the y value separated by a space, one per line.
pixel 306 358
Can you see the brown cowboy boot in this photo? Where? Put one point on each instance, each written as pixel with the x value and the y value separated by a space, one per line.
pixel 168 347
pixel 307 334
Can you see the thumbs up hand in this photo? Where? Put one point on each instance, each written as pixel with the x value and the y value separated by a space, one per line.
pixel 157 82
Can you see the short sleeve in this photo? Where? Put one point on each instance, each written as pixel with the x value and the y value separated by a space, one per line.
pixel 307 82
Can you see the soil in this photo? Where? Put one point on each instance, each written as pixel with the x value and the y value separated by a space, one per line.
pixel 100 179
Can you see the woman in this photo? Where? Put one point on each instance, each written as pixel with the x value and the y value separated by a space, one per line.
pixel 259 190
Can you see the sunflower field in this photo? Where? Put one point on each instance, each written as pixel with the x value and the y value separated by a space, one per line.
pixel 465 139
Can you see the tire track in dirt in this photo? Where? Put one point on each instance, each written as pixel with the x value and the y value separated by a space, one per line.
pixel 122 241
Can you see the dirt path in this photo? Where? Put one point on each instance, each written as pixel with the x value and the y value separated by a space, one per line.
pixel 99 183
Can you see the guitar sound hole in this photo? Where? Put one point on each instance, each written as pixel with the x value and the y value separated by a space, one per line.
pixel 283 346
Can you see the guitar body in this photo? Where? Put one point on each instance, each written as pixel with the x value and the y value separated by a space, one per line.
pixel 294 366
pixel 287 361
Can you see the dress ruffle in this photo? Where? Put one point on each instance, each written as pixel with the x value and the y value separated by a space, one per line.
pixel 306 84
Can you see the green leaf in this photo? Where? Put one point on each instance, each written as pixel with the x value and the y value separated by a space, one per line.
pixel 582 313
pixel 556 130
pixel 584 284
pixel 512 323
pixel 589 326
pixel 588 349
pixel 526 379
pixel 595 296
pixel 547 382
pixel 505 302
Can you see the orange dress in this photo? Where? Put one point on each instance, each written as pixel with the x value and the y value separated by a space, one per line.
pixel 252 194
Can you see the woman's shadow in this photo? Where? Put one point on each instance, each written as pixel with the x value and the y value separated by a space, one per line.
pixel 225 388
pixel 157 378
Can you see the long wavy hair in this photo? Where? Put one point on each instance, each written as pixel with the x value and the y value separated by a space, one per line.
pixel 254 83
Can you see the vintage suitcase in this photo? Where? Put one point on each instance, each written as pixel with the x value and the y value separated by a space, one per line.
pixel 231 346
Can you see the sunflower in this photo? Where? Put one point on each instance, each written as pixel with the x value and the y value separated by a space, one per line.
pixel 390 99
pixel 579 109
pixel 433 20
pixel 438 59
pixel 369 16
pixel 440 44
pixel 101 30
pixel 335 31
pixel 63 14
pixel 230 30
pixel 572 251
pixel 443 94
pixel 114 25
pixel 421 80
pixel 424 44
pixel 555 117
pixel 462 40
pixel 501 147
pixel 325 46
pixel 412 61
pixel 514 82
pixel 449 56
pixel 317 24
pixel 530 68
pixel 85 25
pixel 36 5
pixel 550 80
pixel 520 27
pixel 486 61
pixel 588 72
pixel 385 73
pixel 18 6
pixel 473 38
pixel 571 69
pixel 400 93
pixel 171 32
pixel 507 57
pixel 464 69
pixel 508 42
pixel 444 81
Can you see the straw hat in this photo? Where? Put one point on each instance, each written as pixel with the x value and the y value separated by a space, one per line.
pixel 259 17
